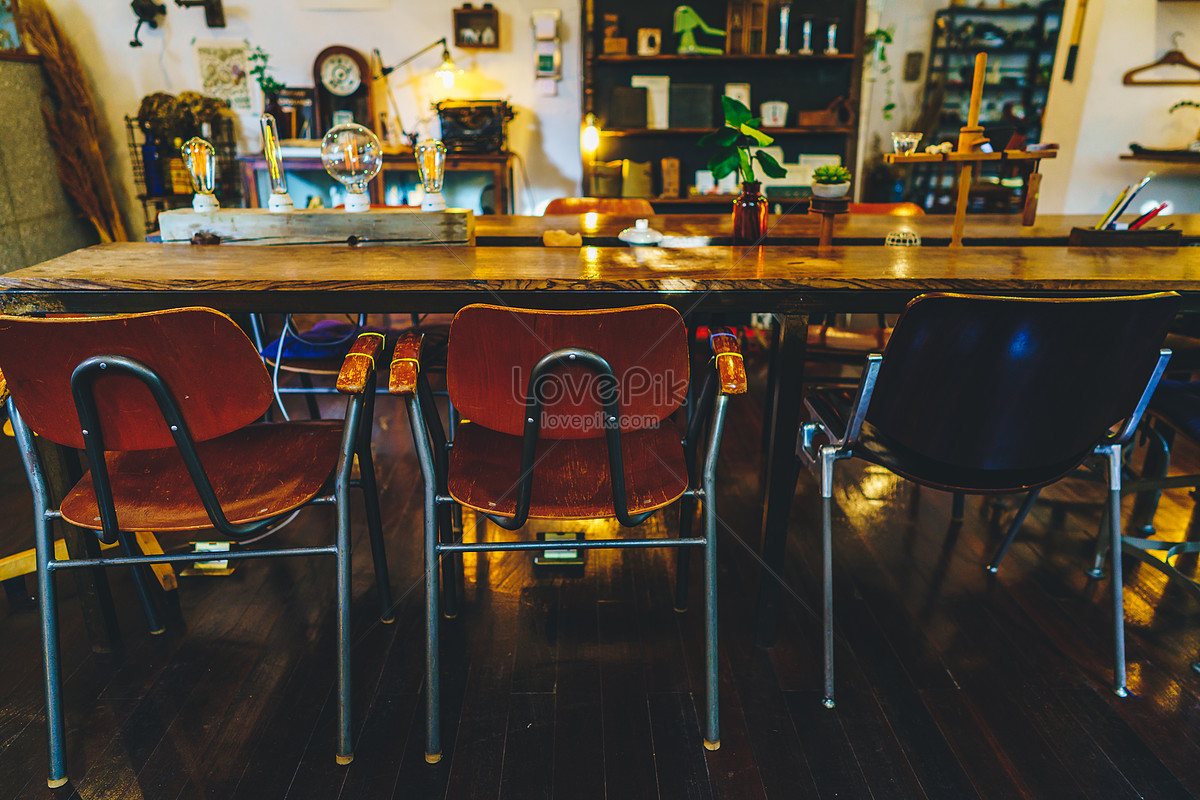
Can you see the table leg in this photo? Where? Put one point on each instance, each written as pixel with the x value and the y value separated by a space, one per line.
pixel 779 479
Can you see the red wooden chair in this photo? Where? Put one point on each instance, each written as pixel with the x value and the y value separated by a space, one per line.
pixel 164 406
pixel 568 419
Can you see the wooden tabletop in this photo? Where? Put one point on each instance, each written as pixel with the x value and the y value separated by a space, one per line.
pixel 140 276
pixel 801 228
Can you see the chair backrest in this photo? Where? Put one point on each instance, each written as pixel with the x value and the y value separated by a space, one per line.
pixel 1004 383
pixel 213 371
pixel 493 350
pixel 629 206
pixel 888 209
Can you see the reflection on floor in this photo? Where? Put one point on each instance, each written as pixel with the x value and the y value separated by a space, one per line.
pixel 588 685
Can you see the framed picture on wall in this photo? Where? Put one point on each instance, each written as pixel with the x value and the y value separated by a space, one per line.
pixel 10 40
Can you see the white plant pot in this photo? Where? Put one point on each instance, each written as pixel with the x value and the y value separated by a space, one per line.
pixel 831 191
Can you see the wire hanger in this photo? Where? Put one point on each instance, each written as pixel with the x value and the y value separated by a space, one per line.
pixel 1175 57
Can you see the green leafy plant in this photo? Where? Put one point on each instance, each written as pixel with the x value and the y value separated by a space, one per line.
pixel 831 175
pixel 260 59
pixel 734 141
pixel 876 45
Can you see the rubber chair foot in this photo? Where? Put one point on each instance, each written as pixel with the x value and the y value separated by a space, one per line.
pixel 1095 573
pixel 433 758
pixel 1120 691
pixel 54 784
pixel 447 616
pixel 828 702
pixel 679 610
pixel 344 760
pixel 991 570
pixel 158 632
pixel 388 620
pixel 712 745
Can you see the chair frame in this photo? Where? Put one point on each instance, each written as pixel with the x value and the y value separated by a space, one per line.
pixel 839 445
pixel 433 454
pixel 355 380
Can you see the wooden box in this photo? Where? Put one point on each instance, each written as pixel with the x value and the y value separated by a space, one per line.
pixel 395 226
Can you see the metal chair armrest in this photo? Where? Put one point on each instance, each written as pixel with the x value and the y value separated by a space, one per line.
pixel 1135 418
pixel 727 351
pixel 358 367
pixel 406 363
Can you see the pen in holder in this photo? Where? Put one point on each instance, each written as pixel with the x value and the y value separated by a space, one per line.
pixel 201 161
pixel 431 165
pixel 280 200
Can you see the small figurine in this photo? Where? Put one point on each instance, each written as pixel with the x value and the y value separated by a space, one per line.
pixel 686 21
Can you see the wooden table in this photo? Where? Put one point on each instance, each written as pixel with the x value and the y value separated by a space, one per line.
pixel 498 165
pixel 802 228
pixel 788 281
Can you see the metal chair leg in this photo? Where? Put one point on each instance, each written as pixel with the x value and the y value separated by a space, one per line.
pixel 712 732
pixel 141 583
pixel 1114 524
pixel 827 461
pixel 48 601
pixel 1013 529
pixel 433 732
pixel 345 747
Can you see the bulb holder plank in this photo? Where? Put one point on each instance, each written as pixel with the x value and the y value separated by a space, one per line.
pixel 394 226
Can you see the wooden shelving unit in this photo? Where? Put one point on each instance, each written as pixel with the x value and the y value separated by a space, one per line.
pixel 805 82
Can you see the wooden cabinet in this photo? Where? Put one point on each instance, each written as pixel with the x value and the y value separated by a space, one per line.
pixel 807 83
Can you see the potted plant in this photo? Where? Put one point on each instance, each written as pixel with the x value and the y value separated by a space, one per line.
pixel 270 87
pixel 830 183
pixel 1195 145
pixel 734 142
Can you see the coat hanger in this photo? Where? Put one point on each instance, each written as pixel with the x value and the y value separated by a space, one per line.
pixel 1174 56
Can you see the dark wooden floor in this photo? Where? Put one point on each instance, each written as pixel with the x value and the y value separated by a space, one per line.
pixel 950 684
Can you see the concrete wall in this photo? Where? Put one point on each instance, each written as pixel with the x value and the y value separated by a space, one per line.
pixel 37 220
pixel 545 131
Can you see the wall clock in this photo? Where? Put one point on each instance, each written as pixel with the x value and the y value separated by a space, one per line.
pixel 342 81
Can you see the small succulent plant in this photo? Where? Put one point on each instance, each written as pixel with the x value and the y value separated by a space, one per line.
pixel 831 175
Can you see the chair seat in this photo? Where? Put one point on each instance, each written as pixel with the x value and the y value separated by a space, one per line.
pixel 257 472
pixel 572 478
pixel 833 407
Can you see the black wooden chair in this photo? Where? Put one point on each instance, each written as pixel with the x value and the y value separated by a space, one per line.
pixel 995 395
pixel 566 416
pixel 163 404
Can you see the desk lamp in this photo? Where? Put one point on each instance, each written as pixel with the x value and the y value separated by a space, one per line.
pixel 201 161
pixel 445 70
pixel 280 200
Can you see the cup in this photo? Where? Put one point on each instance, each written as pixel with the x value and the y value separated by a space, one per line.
pixel 774 113
pixel 905 142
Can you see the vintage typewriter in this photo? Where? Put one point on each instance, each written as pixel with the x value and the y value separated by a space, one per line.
pixel 474 126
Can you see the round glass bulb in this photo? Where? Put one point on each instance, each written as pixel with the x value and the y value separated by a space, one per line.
pixel 201 161
pixel 352 155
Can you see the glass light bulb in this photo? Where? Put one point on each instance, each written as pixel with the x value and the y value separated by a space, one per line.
pixel 446 73
pixel 353 156
pixel 431 164
pixel 589 140
pixel 270 140
pixel 201 161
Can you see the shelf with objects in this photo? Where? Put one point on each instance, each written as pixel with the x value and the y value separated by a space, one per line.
pixel 647 104
pixel 1020 41
pixel 154 138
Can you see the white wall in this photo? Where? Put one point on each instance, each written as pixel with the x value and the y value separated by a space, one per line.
pixel 1096 117
pixel 545 131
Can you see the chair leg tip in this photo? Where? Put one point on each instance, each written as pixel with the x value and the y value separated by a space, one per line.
pixel 433 758
pixel 712 745
pixel 344 760
pixel 992 569
pixel 680 609
pixel 1120 691
pixel 450 616
pixel 55 783
pixel 388 620
pixel 1095 573
pixel 828 702
pixel 158 632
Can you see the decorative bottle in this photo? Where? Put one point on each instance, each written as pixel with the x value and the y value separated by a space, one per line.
pixel 750 215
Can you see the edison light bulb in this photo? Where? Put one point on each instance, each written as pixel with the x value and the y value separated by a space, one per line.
pixel 201 161
pixel 431 164
pixel 589 140
pixel 280 200
pixel 446 73
pixel 352 154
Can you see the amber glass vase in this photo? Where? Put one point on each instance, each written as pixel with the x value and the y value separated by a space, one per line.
pixel 750 215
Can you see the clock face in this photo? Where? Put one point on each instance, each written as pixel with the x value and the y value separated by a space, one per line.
pixel 341 75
